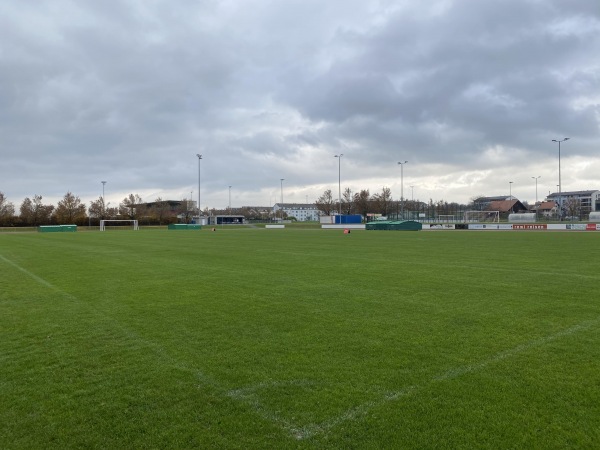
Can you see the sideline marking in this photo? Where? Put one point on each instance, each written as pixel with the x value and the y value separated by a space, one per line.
pixel 247 395
pixel 27 272
pixel 157 349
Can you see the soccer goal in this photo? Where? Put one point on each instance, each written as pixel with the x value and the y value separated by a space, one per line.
pixel 449 218
pixel 482 216
pixel 103 223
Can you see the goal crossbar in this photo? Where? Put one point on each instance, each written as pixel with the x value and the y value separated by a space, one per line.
pixel 103 223
pixel 482 216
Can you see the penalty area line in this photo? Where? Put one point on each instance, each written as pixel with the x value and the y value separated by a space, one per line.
pixel 356 412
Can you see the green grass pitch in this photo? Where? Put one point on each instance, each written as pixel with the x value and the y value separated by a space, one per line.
pixel 299 339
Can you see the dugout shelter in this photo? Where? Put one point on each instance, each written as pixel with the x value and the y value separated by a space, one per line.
pixel 226 220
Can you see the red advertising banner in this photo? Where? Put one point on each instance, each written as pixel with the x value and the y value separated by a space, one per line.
pixel 591 227
pixel 529 226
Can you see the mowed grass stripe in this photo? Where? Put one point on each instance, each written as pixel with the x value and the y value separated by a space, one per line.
pixel 309 325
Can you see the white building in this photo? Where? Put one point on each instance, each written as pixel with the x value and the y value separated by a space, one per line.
pixel 303 212
pixel 588 201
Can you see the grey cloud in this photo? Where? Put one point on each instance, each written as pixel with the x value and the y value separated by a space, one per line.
pixel 269 90
pixel 504 48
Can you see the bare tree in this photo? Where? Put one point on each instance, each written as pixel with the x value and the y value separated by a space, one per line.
pixel 383 201
pixel 476 203
pixel 325 203
pixel 362 202
pixel 185 210
pixel 572 207
pixel 131 206
pixel 34 212
pixel 69 210
pixel 7 210
pixel 161 210
pixel 441 207
pixel 97 209
pixel 347 202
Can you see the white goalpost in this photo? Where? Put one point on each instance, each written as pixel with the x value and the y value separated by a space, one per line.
pixel 446 218
pixel 482 216
pixel 104 222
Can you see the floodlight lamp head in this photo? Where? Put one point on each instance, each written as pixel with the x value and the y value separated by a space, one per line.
pixel 199 155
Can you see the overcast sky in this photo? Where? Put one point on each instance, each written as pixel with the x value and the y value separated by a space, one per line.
pixel 470 93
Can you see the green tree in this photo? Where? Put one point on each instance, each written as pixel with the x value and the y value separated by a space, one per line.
pixel 69 210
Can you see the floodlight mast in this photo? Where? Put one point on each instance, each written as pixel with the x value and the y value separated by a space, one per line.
pixel 199 159
pixel 339 157
pixel 402 188
pixel 559 178
pixel 536 189
pixel 281 181
pixel 103 201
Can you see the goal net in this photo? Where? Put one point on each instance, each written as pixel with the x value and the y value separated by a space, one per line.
pixel 446 218
pixel 134 224
pixel 482 216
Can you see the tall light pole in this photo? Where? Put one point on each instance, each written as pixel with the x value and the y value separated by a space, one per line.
pixel 559 179
pixel 199 159
pixel 103 202
pixel 536 192
pixel 402 187
pixel 281 181
pixel 229 200
pixel 339 157
pixel 510 190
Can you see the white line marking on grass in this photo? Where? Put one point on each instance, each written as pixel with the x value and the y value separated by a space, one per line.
pixel 156 348
pixel 459 371
pixel 27 272
pixel 248 395
pixel 355 413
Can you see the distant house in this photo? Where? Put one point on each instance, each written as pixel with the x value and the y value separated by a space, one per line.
pixel 483 203
pixel 506 207
pixel 545 209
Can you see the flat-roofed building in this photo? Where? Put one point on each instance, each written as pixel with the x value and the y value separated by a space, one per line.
pixel 583 201
pixel 303 212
